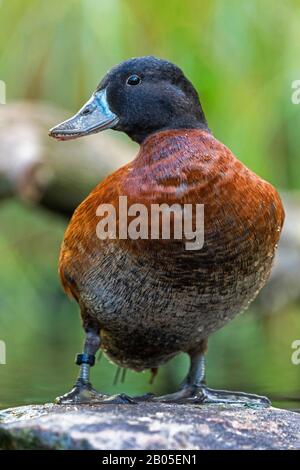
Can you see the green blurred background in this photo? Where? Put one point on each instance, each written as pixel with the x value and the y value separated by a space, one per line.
pixel 242 57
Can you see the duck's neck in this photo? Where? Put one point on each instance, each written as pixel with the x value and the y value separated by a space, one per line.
pixel 184 120
pixel 140 135
pixel 172 143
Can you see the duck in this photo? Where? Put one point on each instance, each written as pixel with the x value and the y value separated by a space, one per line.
pixel 143 300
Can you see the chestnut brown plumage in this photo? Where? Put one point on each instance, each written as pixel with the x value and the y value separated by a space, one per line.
pixel 144 301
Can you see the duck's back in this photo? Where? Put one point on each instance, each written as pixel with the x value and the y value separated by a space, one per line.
pixel 154 298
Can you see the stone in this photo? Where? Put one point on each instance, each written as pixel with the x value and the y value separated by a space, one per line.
pixel 148 426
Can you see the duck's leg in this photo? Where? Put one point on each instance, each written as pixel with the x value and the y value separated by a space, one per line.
pixel 83 392
pixel 195 391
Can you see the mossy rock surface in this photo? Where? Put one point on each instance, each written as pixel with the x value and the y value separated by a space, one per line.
pixel 148 426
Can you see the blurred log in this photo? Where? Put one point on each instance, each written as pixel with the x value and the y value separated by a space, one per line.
pixel 57 175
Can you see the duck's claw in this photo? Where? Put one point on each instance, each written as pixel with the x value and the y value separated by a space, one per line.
pixel 80 394
pixel 84 393
pixel 204 395
pixel 122 398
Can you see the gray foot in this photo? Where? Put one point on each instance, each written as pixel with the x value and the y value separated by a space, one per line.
pixel 205 395
pixel 143 398
pixel 84 393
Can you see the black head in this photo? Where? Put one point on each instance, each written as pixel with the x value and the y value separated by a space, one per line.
pixel 139 97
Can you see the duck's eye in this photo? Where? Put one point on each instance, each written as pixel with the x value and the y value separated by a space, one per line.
pixel 133 80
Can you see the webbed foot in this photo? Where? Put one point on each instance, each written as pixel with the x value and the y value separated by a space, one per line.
pixel 84 393
pixel 201 394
